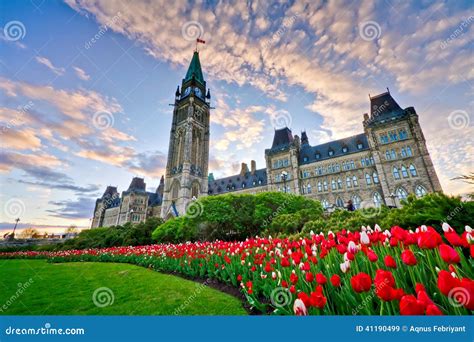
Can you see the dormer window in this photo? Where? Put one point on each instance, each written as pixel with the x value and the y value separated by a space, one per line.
pixel 330 153
pixel 243 185
pixel 344 149
pixel 359 146
pixel 317 155
pixel 305 159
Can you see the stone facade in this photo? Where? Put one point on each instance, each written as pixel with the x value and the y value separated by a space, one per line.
pixel 381 165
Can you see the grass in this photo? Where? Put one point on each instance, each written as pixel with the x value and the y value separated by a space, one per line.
pixel 68 288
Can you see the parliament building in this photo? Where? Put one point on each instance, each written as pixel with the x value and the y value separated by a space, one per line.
pixel 380 166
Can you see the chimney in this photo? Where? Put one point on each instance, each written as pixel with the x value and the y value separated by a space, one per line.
pixel 366 116
pixel 244 169
pixel 253 167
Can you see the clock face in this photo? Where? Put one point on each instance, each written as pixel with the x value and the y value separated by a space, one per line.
pixel 187 91
pixel 198 92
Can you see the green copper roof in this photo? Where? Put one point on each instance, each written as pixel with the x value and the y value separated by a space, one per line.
pixel 195 69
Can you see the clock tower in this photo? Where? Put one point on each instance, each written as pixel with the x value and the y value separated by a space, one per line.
pixel 188 153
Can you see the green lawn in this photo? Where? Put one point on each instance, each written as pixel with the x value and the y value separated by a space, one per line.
pixel 68 288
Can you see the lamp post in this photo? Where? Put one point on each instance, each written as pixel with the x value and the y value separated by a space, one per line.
pixel 284 176
pixel 394 197
pixel 129 213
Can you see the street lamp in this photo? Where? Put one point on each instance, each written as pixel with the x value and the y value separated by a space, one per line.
pixel 129 213
pixel 14 228
pixel 393 197
pixel 284 176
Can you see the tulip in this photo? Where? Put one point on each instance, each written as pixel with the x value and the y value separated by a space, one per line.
pixel 364 238
pixel 390 262
pixel 409 305
pixel 449 254
pixel 345 266
pixel 446 282
pixel 372 256
pixel 408 258
pixel 299 308
pixel 361 282
pixel 321 279
pixel 446 227
pixel 309 277
pixel 336 280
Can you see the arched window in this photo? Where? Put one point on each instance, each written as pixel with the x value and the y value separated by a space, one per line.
pixel 320 187
pixel 409 153
pixel 368 179
pixel 339 183
pixel 356 201
pixel 333 184
pixel 401 193
pixel 396 173
pixel 309 188
pixel 175 190
pixel 387 155
pixel 420 191
pixel 348 182
pixel 243 185
pixel 393 154
pixel 325 204
pixel 377 200
pixel 339 202
pixel 413 170
pixel 195 190
pixel 355 182
pixel 325 185
pixel 404 172
pixel 376 177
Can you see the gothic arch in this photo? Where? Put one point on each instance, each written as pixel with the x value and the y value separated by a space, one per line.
pixel 195 189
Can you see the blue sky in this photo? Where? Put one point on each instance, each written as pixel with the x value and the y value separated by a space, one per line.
pixel 85 87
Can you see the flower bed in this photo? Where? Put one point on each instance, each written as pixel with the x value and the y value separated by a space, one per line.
pixel 346 273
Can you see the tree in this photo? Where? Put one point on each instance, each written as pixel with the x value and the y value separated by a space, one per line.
pixel 29 233
pixel 72 229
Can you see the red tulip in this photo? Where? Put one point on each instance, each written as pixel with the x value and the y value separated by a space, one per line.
pixel 293 278
pixel 305 298
pixel 285 262
pixel 449 254
pixel 309 277
pixel 284 283
pixel 408 258
pixel 336 280
pixel 321 279
pixel 409 305
pixel 384 285
pixel 317 298
pixel 372 256
pixel 446 282
pixel 429 239
pixel 466 296
pixel 433 310
pixel 390 262
pixel 292 289
pixel 361 282
pixel 239 278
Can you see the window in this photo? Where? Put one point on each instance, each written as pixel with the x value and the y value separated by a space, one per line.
pixel 377 200
pixel 359 146
pixel 344 149
pixel 383 138
pixel 356 201
pixel 317 155
pixel 277 177
pixel 308 187
pixel 333 184
pixel 401 193
pixel 320 187
pixel 376 177
pixel 409 151
pixel 413 170
pixel 402 133
pixel 330 169
pixel 355 182
pixel 352 164
pixel 325 204
pixel 420 191
pixel 348 182
pixel 393 154
pixel 404 152
pixel 387 155
pixel 306 174
pixel 362 162
pixel 330 153
pixel 404 172
pixel 305 159
pixel 393 136
pixel 337 168
pixel 368 179
pixel 339 183
pixel 339 202
pixel 285 162
pixel 243 185
pixel 396 173
pixel 325 185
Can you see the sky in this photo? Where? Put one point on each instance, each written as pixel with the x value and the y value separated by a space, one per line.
pixel 85 87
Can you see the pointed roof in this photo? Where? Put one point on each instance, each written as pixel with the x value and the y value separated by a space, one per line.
pixel 195 69
pixel 383 108
pixel 282 138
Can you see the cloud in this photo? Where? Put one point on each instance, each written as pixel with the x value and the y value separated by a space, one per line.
pixel 24 139
pixel 81 208
pixel 46 62
pixel 81 74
